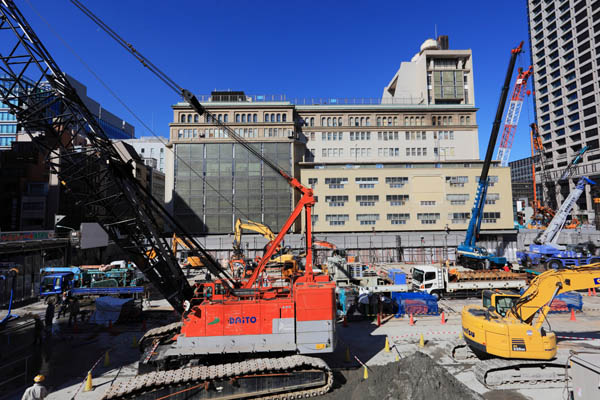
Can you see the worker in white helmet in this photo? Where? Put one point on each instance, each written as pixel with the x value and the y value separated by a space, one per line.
pixel 37 391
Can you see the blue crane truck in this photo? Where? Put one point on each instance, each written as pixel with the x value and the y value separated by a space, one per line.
pixel 545 252
pixel 117 279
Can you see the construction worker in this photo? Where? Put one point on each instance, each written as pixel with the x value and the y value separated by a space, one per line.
pixel 64 304
pixel 49 317
pixel 74 310
pixel 37 391
pixel 38 328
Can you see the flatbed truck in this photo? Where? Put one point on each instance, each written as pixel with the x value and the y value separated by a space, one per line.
pixel 119 279
pixel 447 281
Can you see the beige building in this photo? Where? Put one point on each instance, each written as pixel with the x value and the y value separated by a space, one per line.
pixel 389 133
pixel 411 197
pixel 407 162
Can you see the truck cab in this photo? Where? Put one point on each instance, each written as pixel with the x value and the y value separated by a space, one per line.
pixel 54 284
pixel 428 278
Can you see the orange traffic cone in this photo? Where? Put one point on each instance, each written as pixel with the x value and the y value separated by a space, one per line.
pixel 589 292
pixel 411 322
pixel 443 319
pixel 594 291
pixel 573 315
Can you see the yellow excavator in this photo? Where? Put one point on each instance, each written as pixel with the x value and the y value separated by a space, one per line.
pixel 188 260
pixel 282 257
pixel 509 326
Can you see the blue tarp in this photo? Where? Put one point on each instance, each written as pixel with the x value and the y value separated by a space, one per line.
pixel 418 303
pixel 108 309
pixel 565 302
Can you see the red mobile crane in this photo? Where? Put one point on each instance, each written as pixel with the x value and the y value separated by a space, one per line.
pixel 236 339
pixel 512 115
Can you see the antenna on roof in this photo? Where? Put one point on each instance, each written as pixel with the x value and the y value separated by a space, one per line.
pixel 435 31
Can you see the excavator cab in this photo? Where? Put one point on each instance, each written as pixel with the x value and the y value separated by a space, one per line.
pixel 498 302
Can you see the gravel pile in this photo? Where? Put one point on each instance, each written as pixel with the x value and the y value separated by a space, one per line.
pixel 416 377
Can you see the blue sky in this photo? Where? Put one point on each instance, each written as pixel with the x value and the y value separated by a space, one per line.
pixel 299 49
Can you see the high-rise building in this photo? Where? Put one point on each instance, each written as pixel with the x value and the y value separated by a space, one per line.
pixel 409 161
pixel 113 126
pixel 565 53
pixel 32 197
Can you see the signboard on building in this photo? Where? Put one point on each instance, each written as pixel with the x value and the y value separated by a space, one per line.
pixel 23 236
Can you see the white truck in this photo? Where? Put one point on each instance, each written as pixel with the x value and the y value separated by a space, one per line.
pixel 440 281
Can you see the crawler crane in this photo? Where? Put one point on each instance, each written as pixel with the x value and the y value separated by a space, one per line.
pixel 235 339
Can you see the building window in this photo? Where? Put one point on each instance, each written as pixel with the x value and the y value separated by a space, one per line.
pixel 182 118
pixel 337 219
pixel 457 199
pixel 336 201
pixel 396 181
pixel 366 182
pixel 492 198
pixel 398 219
pixel 457 181
pixel 367 200
pixel 428 218
pixel 367 219
pixel 396 199
pixel 490 217
pixel 428 202
pixel 459 217
pixel 492 180
pixel 312 182
pixel 336 183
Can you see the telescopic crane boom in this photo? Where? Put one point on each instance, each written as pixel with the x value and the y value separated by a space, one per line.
pixel 512 116
pixel 469 253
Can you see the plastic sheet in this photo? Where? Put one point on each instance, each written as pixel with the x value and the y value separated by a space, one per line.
pixel 415 303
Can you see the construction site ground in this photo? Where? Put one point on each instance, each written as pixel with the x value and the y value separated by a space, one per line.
pixel 70 353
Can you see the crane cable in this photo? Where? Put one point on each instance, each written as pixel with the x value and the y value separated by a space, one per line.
pixel 178 89
pixel 129 47
pixel 138 118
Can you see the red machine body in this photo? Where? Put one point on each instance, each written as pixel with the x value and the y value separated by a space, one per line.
pixel 299 318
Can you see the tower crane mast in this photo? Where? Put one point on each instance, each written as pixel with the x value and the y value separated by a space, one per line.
pixel 512 116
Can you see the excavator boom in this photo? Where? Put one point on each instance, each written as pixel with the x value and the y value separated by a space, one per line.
pixel 518 334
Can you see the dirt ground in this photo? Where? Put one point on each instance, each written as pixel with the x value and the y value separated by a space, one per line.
pixel 415 377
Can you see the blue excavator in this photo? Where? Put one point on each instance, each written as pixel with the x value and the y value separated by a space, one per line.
pixel 468 253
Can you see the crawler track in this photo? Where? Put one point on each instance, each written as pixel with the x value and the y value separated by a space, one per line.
pixel 280 378
pixel 161 333
pixel 498 373
pixel 513 374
